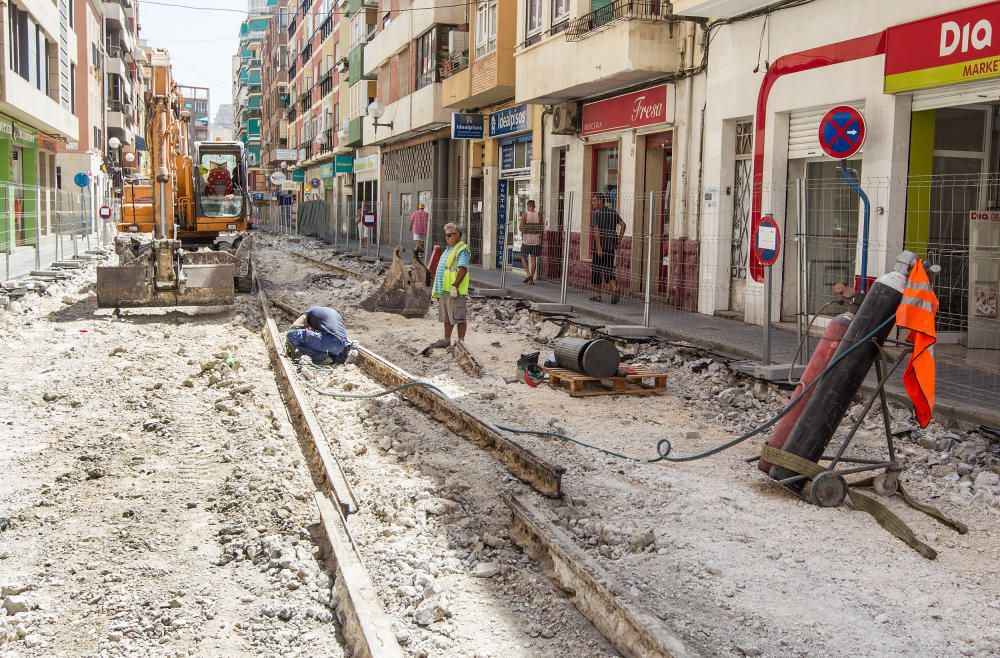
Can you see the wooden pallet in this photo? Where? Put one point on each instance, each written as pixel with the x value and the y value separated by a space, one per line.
pixel 578 384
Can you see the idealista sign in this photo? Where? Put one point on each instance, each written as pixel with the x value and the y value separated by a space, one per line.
pixel 943 50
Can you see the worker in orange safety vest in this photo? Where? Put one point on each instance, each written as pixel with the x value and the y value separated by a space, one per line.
pixel 917 312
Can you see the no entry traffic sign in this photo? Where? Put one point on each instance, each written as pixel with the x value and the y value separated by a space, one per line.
pixel 104 212
pixel 842 132
pixel 767 241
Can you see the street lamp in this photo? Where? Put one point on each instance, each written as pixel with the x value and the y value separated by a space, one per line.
pixel 376 110
pixel 115 166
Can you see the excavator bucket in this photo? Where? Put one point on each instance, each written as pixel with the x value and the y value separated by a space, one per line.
pixel 203 280
pixel 404 290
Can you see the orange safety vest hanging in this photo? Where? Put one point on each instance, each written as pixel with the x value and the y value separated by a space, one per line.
pixel 917 312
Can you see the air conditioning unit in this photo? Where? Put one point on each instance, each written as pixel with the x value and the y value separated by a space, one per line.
pixel 565 118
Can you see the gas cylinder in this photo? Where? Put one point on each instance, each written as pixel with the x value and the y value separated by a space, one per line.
pixel 833 395
pixel 435 258
pixel 820 360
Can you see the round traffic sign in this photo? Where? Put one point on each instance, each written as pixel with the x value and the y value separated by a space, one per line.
pixel 767 241
pixel 104 212
pixel 81 179
pixel 842 132
pixel 314 183
pixel 277 177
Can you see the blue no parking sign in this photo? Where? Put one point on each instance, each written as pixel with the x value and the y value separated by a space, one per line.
pixel 842 132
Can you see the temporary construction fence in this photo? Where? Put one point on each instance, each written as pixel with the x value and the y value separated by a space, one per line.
pixel 702 257
pixel 41 225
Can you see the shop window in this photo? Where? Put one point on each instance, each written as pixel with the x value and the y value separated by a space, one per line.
pixel 958 129
pixel 605 173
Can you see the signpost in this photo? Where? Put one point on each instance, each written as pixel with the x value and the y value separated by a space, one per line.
pixel 767 247
pixel 82 180
pixel 286 155
pixel 842 133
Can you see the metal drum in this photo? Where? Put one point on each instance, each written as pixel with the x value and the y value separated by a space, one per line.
pixel 596 358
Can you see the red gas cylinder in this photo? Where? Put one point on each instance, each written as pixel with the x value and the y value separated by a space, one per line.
pixel 819 361
pixel 435 257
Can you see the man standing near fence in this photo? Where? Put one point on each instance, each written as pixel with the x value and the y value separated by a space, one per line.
pixel 418 225
pixel 451 284
pixel 606 231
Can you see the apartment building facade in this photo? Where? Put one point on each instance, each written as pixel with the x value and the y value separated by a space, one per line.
pixel 247 79
pixel 37 107
pixel 418 160
pixel 197 101
pixel 275 95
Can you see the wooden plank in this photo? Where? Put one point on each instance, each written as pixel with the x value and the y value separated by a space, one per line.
pixel 467 360
pixel 580 385
pixel 543 476
pixel 363 622
pixel 325 469
pixel 632 628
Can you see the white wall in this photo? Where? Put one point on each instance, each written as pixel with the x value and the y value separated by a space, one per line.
pixel 732 93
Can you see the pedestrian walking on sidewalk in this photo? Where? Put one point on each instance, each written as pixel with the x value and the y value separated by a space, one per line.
pixel 320 334
pixel 451 284
pixel 419 221
pixel 364 232
pixel 606 231
pixel 531 226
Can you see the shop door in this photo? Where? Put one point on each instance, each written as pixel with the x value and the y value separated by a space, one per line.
pixel 654 224
pixel 520 192
pixel 832 214
pixel 17 177
pixel 740 236
pixel 938 219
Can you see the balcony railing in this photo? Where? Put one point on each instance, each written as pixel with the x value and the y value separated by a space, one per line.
pixel 292 113
pixel 454 64
pixel 291 27
pixel 307 53
pixel 643 10
pixel 326 28
pixel 291 71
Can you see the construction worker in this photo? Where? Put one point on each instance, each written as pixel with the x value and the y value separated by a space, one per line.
pixel 320 334
pixel 451 284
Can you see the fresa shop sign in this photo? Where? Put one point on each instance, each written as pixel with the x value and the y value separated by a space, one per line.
pixel 943 50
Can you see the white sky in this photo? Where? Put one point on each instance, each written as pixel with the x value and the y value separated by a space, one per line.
pixel 201 43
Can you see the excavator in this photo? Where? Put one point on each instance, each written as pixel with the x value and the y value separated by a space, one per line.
pixel 182 237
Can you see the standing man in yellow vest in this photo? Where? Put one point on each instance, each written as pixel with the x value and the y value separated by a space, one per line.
pixel 451 284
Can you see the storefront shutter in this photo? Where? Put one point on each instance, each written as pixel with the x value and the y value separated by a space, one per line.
pixel 803 131
pixel 952 96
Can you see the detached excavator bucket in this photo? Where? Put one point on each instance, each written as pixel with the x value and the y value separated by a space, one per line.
pixel 203 281
pixel 404 290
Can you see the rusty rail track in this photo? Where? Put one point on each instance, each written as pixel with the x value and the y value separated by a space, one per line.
pixel 543 476
pixel 364 624
pixel 632 628
pixel 330 267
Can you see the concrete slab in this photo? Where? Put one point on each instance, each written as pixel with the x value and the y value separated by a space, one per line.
pixel 590 323
pixel 629 331
pixel 776 372
pixel 493 293
pixel 4 300
pixel 97 252
pixel 369 259
pixel 545 307
pixel 50 275
pixel 67 264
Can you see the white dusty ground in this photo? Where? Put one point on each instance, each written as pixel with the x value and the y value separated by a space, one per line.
pixel 153 498
pixel 733 564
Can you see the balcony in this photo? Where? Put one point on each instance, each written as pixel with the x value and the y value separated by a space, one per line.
pixel 355 132
pixel 421 16
pixel 115 13
pixel 717 8
pixel 354 6
pixel 619 10
pixel 356 66
pixel 423 109
pixel 22 101
pixel 608 50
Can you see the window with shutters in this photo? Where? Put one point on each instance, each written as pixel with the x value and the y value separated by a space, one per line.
pixel 486 28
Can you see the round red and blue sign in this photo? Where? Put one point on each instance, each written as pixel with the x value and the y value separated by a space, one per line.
pixel 104 212
pixel 767 241
pixel 314 183
pixel 842 132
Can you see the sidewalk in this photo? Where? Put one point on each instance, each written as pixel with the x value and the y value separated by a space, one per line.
pixel 963 393
pixel 22 261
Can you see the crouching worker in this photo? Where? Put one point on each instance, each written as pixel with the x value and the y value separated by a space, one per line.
pixel 320 334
